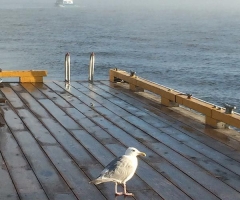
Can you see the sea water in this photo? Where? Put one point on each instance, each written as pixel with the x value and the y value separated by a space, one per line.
pixel 191 50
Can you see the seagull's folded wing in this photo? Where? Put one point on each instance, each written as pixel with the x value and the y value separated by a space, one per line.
pixel 119 169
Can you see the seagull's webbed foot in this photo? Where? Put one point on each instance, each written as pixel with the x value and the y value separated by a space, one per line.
pixel 128 194
pixel 118 193
pixel 125 191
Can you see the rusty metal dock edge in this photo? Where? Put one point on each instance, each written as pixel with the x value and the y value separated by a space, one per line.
pixel 214 116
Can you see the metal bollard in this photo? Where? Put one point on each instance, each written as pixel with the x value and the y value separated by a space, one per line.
pixel 132 73
pixel 67 67
pixel 229 108
pixel 91 67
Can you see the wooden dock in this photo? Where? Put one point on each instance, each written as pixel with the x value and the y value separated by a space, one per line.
pixel 55 139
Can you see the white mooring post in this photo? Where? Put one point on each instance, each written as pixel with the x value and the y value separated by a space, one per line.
pixel 91 67
pixel 67 67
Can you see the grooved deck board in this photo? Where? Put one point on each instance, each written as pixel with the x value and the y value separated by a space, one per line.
pixel 57 138
pixel 23 176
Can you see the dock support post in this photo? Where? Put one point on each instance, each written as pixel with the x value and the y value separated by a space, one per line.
pixel 91 67
pixel 67 67
pixel 214 123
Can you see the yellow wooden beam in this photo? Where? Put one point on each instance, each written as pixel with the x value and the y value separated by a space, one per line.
pixel 213 116
pixel 23 73
pixel 231 119
pixel 26 75
pixel 32 79
pixel 214 123
pixel 142 83
pixel 195 104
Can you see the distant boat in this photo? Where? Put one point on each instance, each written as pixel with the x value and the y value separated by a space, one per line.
pixel 64 3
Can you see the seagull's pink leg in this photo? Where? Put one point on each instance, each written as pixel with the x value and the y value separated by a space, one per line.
pixel 116 192
pixel 125 190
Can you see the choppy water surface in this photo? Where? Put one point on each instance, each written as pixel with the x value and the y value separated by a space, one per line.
pixel 191 51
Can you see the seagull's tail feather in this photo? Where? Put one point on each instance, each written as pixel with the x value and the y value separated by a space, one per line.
pixel 100 180
pixel 96 181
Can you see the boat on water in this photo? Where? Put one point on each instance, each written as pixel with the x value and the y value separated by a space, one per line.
pixel 64 3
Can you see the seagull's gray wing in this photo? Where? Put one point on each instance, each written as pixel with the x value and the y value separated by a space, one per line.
pixel 118 170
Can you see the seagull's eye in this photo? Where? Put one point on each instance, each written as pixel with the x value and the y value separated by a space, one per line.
pixel 133 150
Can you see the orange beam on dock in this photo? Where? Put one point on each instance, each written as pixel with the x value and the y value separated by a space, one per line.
pixel 26 75
pixel 213 116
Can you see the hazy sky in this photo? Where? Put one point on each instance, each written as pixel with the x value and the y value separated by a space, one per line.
pixel 192 4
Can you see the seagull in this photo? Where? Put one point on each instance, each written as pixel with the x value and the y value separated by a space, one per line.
pixel 120 170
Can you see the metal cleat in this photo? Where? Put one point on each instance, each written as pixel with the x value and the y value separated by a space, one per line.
pixel 189 96
pixel 229 108
pixel 132 73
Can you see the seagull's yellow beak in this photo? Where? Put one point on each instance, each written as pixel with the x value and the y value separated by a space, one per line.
pixel 142 154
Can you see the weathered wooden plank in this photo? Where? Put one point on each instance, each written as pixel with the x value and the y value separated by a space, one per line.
pixel 50 94
pixel 98 150
pixel 32 103
pixel 213 184
pixel 177 121
pixel 142 137
pixel 44 137
pixel 60 133
pixel 72 174
pixel 30 87
pixel 89 101
pixel 12 97
pixel 24 179
pixel 61 116
pixel 17 87
pixel 51 181
pixel 133 130
pixel 63 162
pixel 146 194
pixel 218 157
pixel 16 123
pixel 84 98
pixel 38 130
pixel 186 183
pixel 7 189
pixel 91 127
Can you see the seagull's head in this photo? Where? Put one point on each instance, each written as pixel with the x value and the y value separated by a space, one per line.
pixel 131 151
